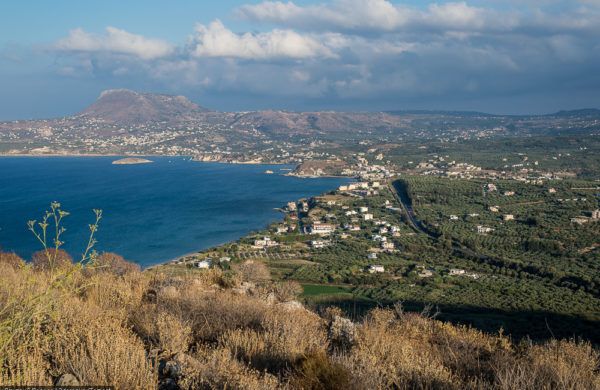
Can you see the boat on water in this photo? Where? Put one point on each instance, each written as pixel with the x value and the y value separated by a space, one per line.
pixel 269 172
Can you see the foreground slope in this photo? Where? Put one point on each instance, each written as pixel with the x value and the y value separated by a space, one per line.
pixel 200 330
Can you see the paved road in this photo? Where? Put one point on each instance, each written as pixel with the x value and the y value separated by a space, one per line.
pixel 408 211
pixel 416 224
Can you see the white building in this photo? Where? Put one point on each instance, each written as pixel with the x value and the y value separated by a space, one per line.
pixel 281 229
pixel 320 243
pixel 376 268
pixel 264 242
pixel 579 220
pixel 203 264
pixel 367 217
pixel 363 209
pixel 321 228
pixel 387 245
pixel 508 217
pixel 483 229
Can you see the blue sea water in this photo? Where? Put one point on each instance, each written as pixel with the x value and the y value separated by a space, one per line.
pixel 151 212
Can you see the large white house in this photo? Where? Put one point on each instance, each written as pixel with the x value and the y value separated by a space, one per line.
pixel 376 268
pixel 204 264
pixel 483 229
pixel 321 228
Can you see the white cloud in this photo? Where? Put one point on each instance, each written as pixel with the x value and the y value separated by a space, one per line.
pixel 215 40
pixel 116 41
pixel 341 14
pixel 368 16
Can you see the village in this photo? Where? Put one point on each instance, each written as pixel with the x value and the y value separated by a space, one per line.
pixel 365 238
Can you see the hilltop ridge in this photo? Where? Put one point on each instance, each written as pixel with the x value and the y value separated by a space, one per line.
pixel 126 106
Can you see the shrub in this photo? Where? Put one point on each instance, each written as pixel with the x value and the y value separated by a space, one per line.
pixel 254 271
pixel 111 262
pixel 98 348
pixel 315 371
pixel 11 259
pixel 217 369
pixel 287 291
pixel 51 258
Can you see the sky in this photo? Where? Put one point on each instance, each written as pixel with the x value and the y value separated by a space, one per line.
pixel 504 57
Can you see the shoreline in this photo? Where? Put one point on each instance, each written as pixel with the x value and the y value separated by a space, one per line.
pixel 198 252
pixel 191 158
pixel 188 157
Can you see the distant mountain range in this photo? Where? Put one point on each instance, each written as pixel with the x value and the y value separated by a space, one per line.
pixel 121 108
pixel 126 106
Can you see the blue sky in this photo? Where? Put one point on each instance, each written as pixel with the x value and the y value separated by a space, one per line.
pixel 513 56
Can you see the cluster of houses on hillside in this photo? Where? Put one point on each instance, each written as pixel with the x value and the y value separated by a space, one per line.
pixel 361 188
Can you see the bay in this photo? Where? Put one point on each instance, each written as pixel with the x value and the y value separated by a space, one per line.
pixel 151 212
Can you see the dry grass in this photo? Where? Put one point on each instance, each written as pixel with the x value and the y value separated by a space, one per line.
pixel 11 259
pixel 111 262
pixel 135 330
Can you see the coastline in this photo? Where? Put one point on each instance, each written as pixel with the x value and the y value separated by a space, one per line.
pixel 191 158
pixel 200 250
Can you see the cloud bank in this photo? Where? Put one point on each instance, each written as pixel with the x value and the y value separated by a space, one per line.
pixel 369 52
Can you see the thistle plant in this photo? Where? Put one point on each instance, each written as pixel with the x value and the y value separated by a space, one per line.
pixel 24 312
pixel 54 217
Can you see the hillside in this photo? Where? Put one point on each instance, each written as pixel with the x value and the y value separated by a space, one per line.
pixel 320 168
pixel 124 122
pixel 130 107
pixel 321 122
pixel 82 325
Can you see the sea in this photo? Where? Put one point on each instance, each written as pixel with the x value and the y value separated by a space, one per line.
pixel 151 213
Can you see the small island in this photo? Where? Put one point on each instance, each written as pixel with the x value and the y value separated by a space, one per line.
pixel 131 160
